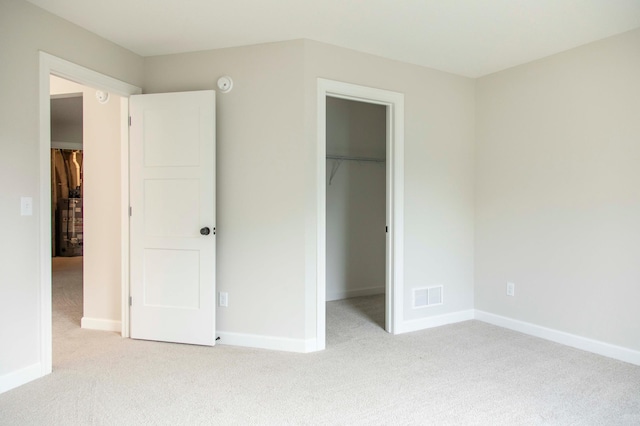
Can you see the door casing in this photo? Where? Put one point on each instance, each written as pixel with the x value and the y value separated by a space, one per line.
pixel 52 65
pixel 394 279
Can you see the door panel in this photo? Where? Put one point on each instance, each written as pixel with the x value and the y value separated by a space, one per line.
pixel 172 144
pixel 170 216
pixel 165 267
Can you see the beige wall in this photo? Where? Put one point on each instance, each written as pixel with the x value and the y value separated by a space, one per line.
pixel 558 191
pixel 101 172
pixel 25 29
pixel 261 161
pixel 439 154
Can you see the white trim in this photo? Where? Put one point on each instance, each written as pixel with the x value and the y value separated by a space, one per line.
pixel 394 103
pixel 44 249
pixel 321 216
pixel 568 339
pixel 74 146
pixel 67 95
pixel 51 65
pixel 124 218
pixel 266 342
pixel 435 321
pixel 100 324
pixel 85 76
pixel 20 377
pixel 346 294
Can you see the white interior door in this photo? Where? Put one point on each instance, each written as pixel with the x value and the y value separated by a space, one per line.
pixel 172 160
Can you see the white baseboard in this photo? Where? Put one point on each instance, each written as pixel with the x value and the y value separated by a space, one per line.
pixel 435 321
pixel 20 377
pixel 579 342
pixel 101 324
pixel 266 342
pixel 346 294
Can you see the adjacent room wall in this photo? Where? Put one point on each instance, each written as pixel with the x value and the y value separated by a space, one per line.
pixel 102 211
pixel 356 199
pixel 439 155
pixel 558 191
pixel 25 29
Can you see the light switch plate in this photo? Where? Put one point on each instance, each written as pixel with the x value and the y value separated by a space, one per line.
pixel 223 298
pixel 26 206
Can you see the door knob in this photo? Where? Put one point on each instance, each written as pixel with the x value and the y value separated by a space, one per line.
pixel 205 231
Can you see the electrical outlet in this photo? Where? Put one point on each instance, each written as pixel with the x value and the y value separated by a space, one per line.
pixel 223 298
pixel 511 289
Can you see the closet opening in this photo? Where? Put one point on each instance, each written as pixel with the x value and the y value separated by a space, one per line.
pixel 392 103
pixel 356 217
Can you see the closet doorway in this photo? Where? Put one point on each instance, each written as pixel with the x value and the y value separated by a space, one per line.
pixel 350 260
pixel 355 216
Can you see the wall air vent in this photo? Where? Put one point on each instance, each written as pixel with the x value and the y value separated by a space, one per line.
pixel 427 296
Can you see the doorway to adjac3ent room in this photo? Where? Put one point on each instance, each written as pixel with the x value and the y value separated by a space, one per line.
pixel 85 213
pixel 103 172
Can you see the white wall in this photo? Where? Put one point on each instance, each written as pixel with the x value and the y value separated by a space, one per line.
pixel 101 221
pixel 558 191
pixel 355 200
pixel 439 154
pixel 25 29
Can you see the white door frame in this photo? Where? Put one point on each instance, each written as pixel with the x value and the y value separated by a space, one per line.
pixel 52 65
pixel 394 279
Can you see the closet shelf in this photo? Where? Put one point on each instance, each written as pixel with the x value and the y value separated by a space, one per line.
pixel 347 158
pixel 341 158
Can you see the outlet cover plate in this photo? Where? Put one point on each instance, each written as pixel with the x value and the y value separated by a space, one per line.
pixel 511 289
pixel 223 298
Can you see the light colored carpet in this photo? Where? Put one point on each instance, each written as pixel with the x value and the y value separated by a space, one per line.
pixel 467 373
pixel 66 293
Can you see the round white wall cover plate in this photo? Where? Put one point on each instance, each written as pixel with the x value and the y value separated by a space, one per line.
pixel 102 97
pixel 225 84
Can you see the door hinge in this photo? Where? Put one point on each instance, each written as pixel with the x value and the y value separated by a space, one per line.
pixel 386 229
pixel 130 300
pixel 130 211
pixel 129 121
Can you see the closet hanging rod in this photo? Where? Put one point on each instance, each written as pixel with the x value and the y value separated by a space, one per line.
pixel 344 157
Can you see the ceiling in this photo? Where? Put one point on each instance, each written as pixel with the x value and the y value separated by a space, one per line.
pixel 466 37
